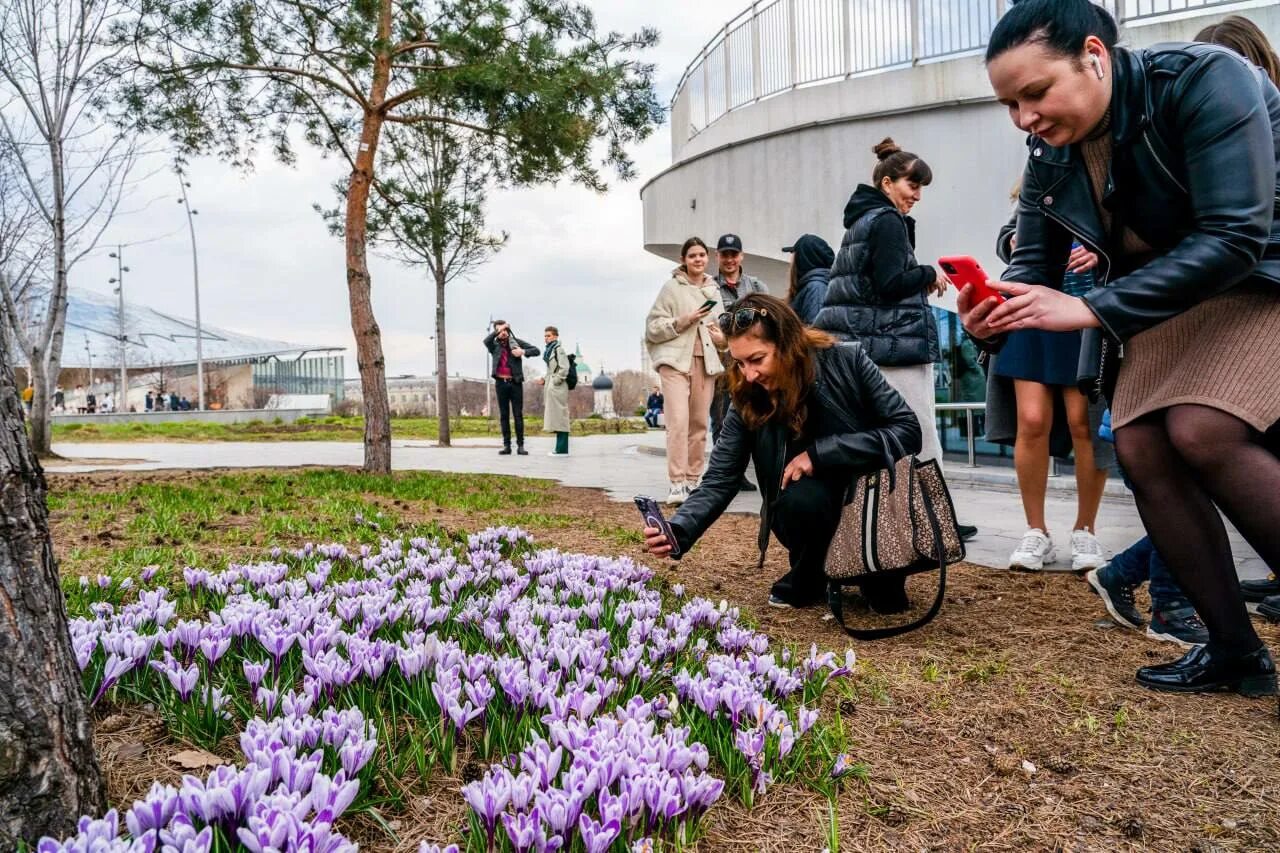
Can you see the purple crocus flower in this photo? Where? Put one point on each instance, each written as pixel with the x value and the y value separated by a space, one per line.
pixel 597 837
pixel 521 829
pixel 254 672
pixel 116 666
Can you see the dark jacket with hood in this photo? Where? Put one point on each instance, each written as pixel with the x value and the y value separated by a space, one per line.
pixel 878 293
pixel 813 259
pixel 848 383
pixel 1194 173
pixel 495 347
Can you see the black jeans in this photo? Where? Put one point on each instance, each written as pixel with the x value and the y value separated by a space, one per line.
pixel 511 399
pixel 804 519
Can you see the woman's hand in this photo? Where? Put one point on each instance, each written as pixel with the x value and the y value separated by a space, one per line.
pixel 801 466
pixel 1081 260
pixel 693 318
pixel 717 335
pixel 940 284
pixel 976 317
pixel 656 543
pixel 1033 306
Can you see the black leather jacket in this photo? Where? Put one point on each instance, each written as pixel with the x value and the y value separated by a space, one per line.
pixel 495 346
pixel 1194 174
pixel 848 383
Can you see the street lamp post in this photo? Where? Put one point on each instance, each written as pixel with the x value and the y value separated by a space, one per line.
pixel 195 278
pixel 89 352
pixel 118 281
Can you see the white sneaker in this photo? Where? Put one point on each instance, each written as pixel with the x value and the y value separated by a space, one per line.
pixel 676 496
pixel 1035 550
pixel 1086 551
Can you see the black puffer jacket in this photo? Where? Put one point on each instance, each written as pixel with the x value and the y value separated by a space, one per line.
pixel 878 293
pixel 1194 174
pixel 847 383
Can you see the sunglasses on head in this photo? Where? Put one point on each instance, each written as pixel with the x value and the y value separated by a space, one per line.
pixel 733 322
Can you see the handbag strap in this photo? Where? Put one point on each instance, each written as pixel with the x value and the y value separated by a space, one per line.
pixel 836 603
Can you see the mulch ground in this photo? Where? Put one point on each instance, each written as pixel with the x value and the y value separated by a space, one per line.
pixel 1012 722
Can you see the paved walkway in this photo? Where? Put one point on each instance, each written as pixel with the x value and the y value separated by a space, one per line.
pixel 627 465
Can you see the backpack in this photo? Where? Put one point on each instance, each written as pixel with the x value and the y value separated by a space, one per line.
pixel 571 379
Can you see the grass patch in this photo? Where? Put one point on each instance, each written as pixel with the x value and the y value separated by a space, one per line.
pixel 331 428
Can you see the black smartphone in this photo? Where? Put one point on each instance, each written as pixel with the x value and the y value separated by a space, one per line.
pixel 710 303
pixel 652 515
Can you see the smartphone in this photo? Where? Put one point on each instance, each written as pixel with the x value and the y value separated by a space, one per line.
pixel 962 270
pixel 652 515
pixel 708 305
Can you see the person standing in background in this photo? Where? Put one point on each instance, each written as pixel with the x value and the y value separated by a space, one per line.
pixel 508 352
pixel 734 284
pixel 555 391
pixel 810 273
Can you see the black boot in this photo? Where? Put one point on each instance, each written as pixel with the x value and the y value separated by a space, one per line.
pixel 1257 590
pixel 1269 608
pixel 745 485
pixel 521 451
pixel 505 451
pixel 1205 670
pixel 967 531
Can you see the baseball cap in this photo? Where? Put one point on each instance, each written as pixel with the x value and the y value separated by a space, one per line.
pixel 729 243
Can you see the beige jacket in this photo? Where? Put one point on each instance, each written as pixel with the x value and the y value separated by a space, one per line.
pixel 674 346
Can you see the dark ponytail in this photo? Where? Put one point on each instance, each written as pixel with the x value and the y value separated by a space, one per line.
pixel 1060 25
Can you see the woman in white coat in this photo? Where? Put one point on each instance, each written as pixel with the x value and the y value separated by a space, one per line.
pixel 684 343
pixel 555 391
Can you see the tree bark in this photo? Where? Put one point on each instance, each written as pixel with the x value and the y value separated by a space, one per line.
pixel 442 367
pixel 48 773
pixel 369 356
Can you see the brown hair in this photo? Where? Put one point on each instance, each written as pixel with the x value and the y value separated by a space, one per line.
pixel 797 344
pixel 553 330
pixel 689 244
pixel 896 164
pixel 1243 36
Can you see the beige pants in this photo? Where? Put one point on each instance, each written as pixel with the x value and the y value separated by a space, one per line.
pixel 686 402
pixel 915 384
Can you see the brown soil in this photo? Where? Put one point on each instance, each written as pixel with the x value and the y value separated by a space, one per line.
pixel 1016 667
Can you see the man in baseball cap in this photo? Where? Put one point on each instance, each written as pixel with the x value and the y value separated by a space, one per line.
pixel 734 284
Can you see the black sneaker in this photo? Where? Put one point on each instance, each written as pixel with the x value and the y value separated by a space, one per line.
pixel 506 451
pixel 1257 590
pixel 1181 626
pixel 967 531
pixel 747 486
pixel 520 451
pixel 1269 609
pixel 1117 596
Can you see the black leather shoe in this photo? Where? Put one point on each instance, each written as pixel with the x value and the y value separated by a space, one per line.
pixel 1205 670
pixel 506 451
pixel 1256 590
pixel 967 531
pixel 1269 609
pixel 747 486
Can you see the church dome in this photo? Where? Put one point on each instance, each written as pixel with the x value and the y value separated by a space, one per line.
pixel 602 383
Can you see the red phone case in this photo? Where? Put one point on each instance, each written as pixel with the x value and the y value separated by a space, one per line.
pixel 962 270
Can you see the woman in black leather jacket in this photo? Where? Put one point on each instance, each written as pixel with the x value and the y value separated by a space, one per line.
pixel 1163 161
pixel 811 415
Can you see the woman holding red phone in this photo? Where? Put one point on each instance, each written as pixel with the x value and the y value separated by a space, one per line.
pixel 1163 162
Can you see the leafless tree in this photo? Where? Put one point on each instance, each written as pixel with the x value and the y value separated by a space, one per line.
pixel 55 74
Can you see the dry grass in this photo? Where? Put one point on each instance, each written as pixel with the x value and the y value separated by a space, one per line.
pixel 1017 667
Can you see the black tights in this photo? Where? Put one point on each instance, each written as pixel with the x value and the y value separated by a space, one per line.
pixel 1185 463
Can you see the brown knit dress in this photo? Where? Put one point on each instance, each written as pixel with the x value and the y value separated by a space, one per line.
pixel 1224 353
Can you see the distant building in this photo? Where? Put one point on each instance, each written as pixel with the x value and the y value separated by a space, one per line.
pixel 602 386
pixel 241 371
pixel 416 395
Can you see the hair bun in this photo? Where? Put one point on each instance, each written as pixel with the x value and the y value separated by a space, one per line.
pixel 886 149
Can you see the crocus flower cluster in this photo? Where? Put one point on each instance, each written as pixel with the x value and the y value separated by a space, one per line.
pixel 287 796
pixel 605 715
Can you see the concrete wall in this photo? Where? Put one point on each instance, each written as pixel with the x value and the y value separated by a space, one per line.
pixel 786 165
pixel 224 416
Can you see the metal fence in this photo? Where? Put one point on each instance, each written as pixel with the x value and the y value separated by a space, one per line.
pixel 776 45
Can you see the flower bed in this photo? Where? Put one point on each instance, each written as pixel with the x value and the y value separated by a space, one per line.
pixel 611 719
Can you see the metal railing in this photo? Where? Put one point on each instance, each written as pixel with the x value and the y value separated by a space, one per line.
pixel 968 409
pixel 776 45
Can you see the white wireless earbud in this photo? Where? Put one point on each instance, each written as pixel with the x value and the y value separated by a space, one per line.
pixel 1097 66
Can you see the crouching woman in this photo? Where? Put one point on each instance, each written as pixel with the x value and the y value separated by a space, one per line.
pixel 811 414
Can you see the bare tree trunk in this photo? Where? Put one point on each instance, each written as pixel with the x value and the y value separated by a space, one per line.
pixel 442 367
pixel 48 773
pixel 369 357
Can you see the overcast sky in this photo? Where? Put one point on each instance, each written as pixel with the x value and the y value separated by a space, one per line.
pixel 268 267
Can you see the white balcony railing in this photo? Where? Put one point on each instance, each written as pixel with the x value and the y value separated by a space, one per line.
pixel 775 45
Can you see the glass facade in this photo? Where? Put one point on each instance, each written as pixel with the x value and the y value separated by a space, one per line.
pixel 958 378
pixel 315 375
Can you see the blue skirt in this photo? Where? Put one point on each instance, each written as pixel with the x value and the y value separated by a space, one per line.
pixel 1050 358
